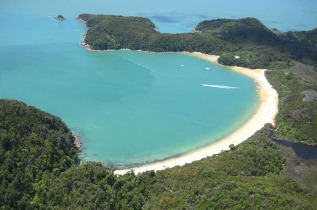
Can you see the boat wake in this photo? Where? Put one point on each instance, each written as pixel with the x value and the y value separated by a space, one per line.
pixel 219 86
pixel 142 66
pixel 131 61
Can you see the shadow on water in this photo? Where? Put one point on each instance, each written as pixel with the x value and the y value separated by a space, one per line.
pixel 302 150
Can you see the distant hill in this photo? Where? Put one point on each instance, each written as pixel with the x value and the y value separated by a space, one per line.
pixel 305 37
pixel 256 45
pixel 238 31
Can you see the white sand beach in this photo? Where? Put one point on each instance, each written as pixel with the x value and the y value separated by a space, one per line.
pixel 266 113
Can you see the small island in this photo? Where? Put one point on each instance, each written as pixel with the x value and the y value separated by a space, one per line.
pixel 60 17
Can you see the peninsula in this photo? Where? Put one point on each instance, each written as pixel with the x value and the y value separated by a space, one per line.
pixel 244 42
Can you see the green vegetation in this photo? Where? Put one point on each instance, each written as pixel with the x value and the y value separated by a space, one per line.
pixel 256 46
pixel 297 119
pixel 304 37
pixel 38 157
pixel 135 33
pixel 38 170
pixel 32 145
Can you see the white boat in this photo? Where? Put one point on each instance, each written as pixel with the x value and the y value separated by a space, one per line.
pixel 207 68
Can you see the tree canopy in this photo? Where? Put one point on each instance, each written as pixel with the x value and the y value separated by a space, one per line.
pixel 256 45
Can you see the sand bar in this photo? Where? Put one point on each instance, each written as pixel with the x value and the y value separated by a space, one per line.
pixel 266 113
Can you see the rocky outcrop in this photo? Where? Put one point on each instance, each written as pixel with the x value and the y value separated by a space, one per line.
pixel 60 17
pixel 309 95
pixel 77 141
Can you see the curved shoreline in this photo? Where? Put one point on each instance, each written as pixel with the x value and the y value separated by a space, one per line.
pixel 266 112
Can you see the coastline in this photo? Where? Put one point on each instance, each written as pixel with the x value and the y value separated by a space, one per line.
pixel 266 112
pixel 77 141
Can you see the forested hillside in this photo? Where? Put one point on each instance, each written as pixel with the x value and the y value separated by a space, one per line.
pixel 33 145
pixel 38 170
pixel 256 45
pixel 38 156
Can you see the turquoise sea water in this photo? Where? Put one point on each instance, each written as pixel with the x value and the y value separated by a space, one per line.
pixel 129 107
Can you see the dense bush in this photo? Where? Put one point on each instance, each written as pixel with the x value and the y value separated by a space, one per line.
pixel 296 119
pixel 38 171
pixel 248 38
pixel 32 144
pixel 37 154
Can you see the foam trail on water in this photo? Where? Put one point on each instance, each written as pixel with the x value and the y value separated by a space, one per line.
pixel 141 65
pixel 219 86
pixel 131 61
